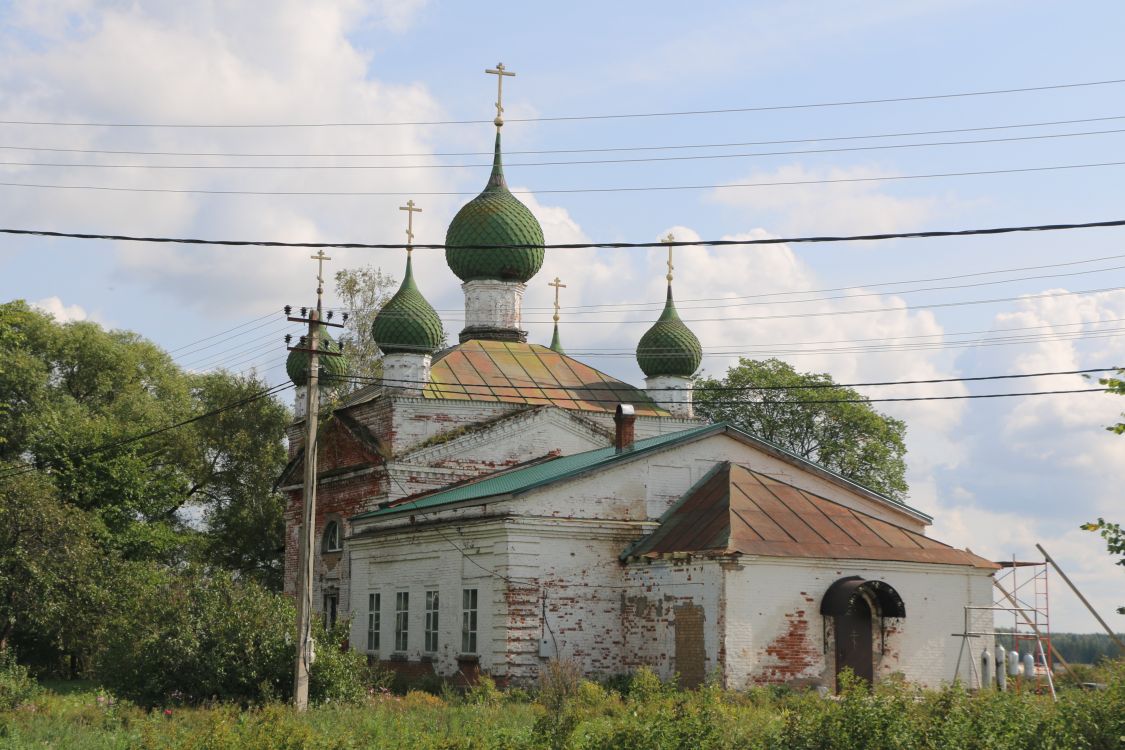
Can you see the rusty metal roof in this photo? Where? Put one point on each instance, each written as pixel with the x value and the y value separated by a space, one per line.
pixel 735 510
pixel 517 373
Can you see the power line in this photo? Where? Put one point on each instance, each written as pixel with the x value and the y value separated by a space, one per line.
pixel 863 311
pixel 510 152
pixel 585 245
pixel 565 118
pixel 624 189
pixel 863 400
pixel 571 162
pixel 158 431
pixel 522 383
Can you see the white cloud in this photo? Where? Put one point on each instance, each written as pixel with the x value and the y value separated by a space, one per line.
pixel 233 63
pixel 841 207
pixel 62 313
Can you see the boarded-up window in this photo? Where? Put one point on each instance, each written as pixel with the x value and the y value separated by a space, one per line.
pixel 690 654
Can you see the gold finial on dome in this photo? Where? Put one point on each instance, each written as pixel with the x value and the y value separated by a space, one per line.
pixel 499 71
pixel 557 284
pixel 668 241
pixel 411 209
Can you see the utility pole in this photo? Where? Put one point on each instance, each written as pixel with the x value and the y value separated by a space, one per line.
pixel 310 344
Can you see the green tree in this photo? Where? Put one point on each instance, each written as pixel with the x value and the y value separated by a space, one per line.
pixel 79 396
pixel 775 402
pixel 1111 532
pixel 49 562
pixel 238 457
pixel 363 291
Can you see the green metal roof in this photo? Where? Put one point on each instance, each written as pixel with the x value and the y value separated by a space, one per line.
pixel 407 323
pixel 669 347
pixel 494 218
pixel 530 477
pixel 330 368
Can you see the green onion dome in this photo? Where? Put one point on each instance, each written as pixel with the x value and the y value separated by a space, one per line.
pixel 669 347
pixel 495 217
pixel 331 369
pixel 407 323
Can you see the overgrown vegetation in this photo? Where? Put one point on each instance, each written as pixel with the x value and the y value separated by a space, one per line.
pixel 577 714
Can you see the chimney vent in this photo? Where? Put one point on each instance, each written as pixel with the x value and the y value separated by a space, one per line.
pixel 625 419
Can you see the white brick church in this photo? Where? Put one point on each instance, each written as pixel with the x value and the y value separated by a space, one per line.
pixel 496 504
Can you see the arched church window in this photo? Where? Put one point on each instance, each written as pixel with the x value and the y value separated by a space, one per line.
pixel 331 542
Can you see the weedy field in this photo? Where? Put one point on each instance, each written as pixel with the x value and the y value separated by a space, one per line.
pixel 628 713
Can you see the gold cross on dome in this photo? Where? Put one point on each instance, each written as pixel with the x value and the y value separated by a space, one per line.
pixel 320 257
pixel 669 240
pixel 410 209
pixel 557 284
pixel 499 71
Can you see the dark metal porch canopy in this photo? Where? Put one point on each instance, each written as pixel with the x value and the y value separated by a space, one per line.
pixel 839 596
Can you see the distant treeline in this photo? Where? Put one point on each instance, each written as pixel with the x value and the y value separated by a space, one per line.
pixel 1079 648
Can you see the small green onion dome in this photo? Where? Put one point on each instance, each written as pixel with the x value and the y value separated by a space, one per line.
pixel 495 217
pixel 669 347
pixel 330 369
pixel 407 323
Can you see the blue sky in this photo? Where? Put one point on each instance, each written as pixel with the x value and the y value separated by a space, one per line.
pixel 997 475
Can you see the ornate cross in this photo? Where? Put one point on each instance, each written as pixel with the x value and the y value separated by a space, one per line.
pixel 499 72
pixel 669 240
pixel 320 257
pixel 410 211
pixel 557 284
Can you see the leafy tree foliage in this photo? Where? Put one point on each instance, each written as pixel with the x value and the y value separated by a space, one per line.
pixel 1111 532
pixel 191 636
pixel 80 392
pixel 363 291
pixel 47 557
pixel 775 402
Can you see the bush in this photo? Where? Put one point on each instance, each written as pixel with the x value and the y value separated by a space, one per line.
pixel 193 637
pixel 17 686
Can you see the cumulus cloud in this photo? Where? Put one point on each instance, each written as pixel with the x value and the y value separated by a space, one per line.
pixel 61 312
pixel 204 63
pixel 841 207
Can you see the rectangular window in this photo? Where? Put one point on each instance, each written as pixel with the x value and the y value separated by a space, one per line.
pixel 373 602
pixel 469 621
pixel 402 619
pixel 431 621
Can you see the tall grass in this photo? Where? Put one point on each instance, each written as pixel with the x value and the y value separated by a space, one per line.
pixel 642 713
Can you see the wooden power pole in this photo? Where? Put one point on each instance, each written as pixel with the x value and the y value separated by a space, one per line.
pixel 310 345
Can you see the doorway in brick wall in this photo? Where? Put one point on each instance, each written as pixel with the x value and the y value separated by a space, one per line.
pixel 853 640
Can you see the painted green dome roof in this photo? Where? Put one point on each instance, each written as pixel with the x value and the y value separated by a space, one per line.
pixel 556 342
pixel 330 370
pixel 407 323
pixel 495 217
pixel 669 347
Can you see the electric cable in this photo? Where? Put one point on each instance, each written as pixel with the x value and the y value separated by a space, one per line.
pixel 555 191
pixel 582 245
pixel 568 118
pixel 510 152
pixel 157 431
pixel 521 383
pixel 567 163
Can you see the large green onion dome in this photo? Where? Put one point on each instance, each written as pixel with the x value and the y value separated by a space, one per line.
pixel 331 369
pixel 669 347
pixel 407 324
pixel 495 217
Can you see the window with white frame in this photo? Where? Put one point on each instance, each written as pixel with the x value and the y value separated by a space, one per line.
pixel 331 539
pixel 469 621
pixel 402 620
pixel 373 606
pixel 431 621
